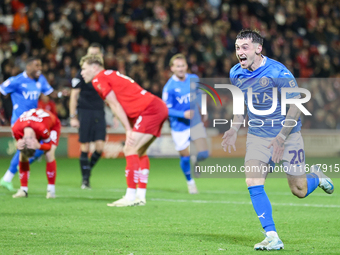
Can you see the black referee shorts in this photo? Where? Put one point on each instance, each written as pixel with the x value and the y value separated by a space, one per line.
pixel 92 125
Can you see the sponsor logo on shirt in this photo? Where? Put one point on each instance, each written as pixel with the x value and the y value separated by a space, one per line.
pixel 31 95
pixel 183 99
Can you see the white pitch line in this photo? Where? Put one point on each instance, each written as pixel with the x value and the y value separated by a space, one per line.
pixel 238 203
pixel 206 192
pixel 269 193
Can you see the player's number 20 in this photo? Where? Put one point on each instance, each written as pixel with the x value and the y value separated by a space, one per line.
pixel 300 155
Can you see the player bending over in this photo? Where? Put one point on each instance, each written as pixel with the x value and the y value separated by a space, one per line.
pixel 33 127
pixel 25 89
pixel 175 91
pixel 142 115
pixel 267 144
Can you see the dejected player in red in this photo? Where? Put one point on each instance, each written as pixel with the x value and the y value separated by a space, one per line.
pixel 37 129
pixel 142 115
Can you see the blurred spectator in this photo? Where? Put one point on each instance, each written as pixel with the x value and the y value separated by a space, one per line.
pixel 140 38
pixel 47 104
pixel 20 21
pixel 3 119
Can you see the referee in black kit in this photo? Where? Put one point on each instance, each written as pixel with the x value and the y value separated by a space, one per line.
pixel 87 114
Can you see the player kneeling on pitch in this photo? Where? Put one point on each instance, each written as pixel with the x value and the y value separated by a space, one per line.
pixel 142 115
pixel 37 129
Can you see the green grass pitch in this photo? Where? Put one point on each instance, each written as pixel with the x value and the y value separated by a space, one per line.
pixel 219 220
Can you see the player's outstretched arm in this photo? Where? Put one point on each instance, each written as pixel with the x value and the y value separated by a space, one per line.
pixel 279 141
pixel 230 136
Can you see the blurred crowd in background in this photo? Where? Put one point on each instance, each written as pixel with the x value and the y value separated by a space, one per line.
pixel 140 37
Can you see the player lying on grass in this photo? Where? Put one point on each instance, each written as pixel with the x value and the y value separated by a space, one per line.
pixel 271 143
pixel 186 124
pixel 33 127
pixel 142 115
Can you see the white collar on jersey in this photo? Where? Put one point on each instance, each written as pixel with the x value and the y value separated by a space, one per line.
pixel 175 78
pixel 25 74
pixel 264 60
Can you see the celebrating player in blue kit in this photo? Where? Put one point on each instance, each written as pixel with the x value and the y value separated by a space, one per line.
pixel 25 90
pixel 176 94
pixel 271 142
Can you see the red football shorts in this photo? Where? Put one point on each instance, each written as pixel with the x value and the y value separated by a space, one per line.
pixel 151 120
pixel 55 133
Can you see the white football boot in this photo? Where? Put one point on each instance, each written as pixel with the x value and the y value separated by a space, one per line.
pixel 123 202
pixel 20 193
pixel 192 187
pixel 325 182
pixel 140 202
pixel 270 243
pixel 50 195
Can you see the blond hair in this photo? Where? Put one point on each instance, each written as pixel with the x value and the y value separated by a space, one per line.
pixel 92 59
pixel 177 56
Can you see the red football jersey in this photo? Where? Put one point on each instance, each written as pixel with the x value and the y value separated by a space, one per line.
pixel 49 106
pixel 41 121
pixel 133 98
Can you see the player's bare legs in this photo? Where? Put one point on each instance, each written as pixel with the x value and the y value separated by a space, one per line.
pixel 201 144
pixel 256 175
pixel 298 185
pixel 137 169
pixel 256 172
pixel 51 171
pixel 24 168
pixel 302 185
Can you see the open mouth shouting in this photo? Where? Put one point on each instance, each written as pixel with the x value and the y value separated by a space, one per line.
pixel 243 60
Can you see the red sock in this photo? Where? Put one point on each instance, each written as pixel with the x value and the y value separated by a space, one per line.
pixel 144 171
pixel 51 171
pixel 131 171
pixel 24 170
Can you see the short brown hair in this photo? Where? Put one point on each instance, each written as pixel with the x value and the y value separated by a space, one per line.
pixel 254 35
pixel 28 152
pixel 177 56
pixel 31 59
pixel 92 59
pixel 96 45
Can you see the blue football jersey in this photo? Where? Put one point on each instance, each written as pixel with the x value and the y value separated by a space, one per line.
pixel 24 92
pixel 271 74
pixel 177 96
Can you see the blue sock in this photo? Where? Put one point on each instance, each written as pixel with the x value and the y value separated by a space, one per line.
pixel 262 207
pixel 13 167
pixel 202 155
pixel 312 182
pixel 37 155
pixel 185 165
